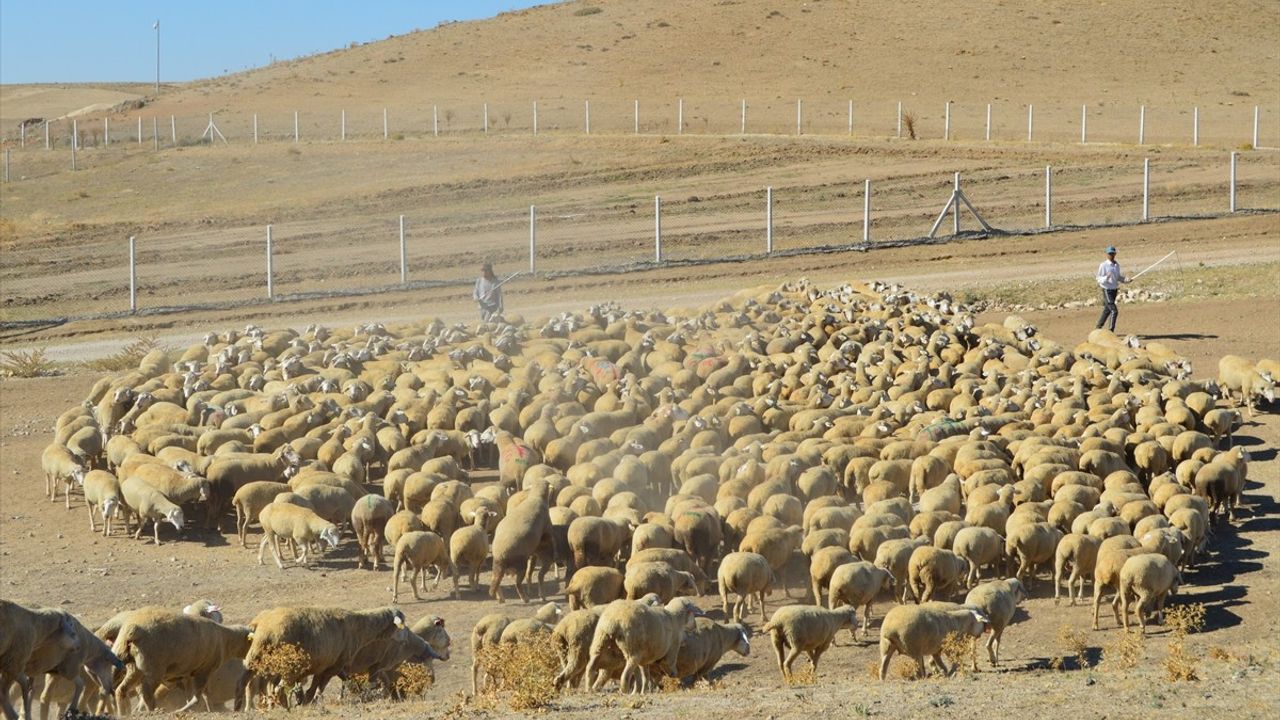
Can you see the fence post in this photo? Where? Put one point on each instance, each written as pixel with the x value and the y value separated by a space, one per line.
pixel 535 117
pixel 955 212
pixel 988 133
pixel 850 117
pixel 533 239
pixel 1084 124
pixel 635 117
pixel 255 128
pixel 866 210
pixel 1031 114
pixel 1195 126
pixel 435 121
pixel 271 290
pixel 133 275
pixel 344 126
pixel 173 130
pixel 1146 189
pixel 404 258
pixel 680 117
pixel 1142 125
pixel 486 118
pixel 46 134
pixel 106 132
pixel 386 128
pixel 139 129
pixel 1255 127
pixel 744 116
pixel 75 143
pixel 1048 196
pixel 946 122
pixel 798 115
pixel 295 126
pixel 768 221
pixel 899 119
pixel 657 228
pixel 1233 181
pixel 155 133
pixel 587 111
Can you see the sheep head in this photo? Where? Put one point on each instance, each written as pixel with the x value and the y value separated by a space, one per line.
pixel 174 517
pixel 329 536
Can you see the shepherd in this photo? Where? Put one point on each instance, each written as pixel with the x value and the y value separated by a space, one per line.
pixel 1109 279
pixel 488 293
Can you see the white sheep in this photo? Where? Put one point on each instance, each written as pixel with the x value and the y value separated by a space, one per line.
pixel 748 575
pixel 1147 579
pixel 418 550
pixel 61 467
pixel 645 635
pixel 147 503
pixel 805 629
pixel 920 630
pixel 297 524
pixel 999 599
pixel 160 645
pixel 102 494
pixel 858 584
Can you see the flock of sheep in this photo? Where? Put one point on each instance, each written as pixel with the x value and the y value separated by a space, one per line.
pixel 877 442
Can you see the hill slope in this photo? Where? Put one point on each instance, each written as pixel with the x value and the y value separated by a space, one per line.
pixel 1161 52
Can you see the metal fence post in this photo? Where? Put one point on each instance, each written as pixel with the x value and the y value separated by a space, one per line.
pixel 1084 124
pixel 988 133
pixel 295 126
pixel 680 118
pixel 798 116
pixel 955 213
pixel 1142 125
pixel 75 143
pixel 344 125
pixel 1146 189
pixel 946 122
pixel 271 290
pixel 1031 114
pixel 635 113
pixel 899 119
pixel 435 121
pixel 155 133
pixel 533 239
pixel 404 258
pixel 139 129
pixel 1048 196
pixel 46 135
pixel 173 130
pixel 486 118
pixel 657 228
pixel 106 132
pixel 587 117
pixel 255 128
pixel 768 221
pixel 133 275
pixel 1255 127
pixel 744 116
pixel 1233 181
pixel 866 210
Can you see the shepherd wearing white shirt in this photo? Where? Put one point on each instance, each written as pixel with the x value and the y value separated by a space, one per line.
pixel 1109 279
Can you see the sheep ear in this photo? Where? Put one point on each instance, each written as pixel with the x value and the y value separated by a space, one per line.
pixel 439 622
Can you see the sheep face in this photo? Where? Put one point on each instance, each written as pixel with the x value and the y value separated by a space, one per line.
pixel 77 474
pixel 330 536
pixel 174 517
pixel 743 645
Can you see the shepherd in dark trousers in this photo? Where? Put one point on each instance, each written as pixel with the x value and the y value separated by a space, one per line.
pixel 1109 279
pixel 488 293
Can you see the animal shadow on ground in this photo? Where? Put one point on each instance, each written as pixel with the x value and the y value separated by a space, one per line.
pixel 1251 443
pixel 1180 336
pixel 1092 656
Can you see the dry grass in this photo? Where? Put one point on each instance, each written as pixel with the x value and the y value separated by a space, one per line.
pixel 1075 645
pixel 1125 652
pixel 128 356
pixel 26 363
pixel 286 662
pixel 414 680
pixel 960 651
pixel 525 670
pixel 802 676
pixel 1220 653
pixel 1185 619
pixel 1180 665
pixel 909 123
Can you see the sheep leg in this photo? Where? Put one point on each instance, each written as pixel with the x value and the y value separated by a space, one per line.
pixel 866 622
pixel 817 592
pixel 131 678
pixel 1097 602
pixel 495 584
pixel 886 655
pixel 939 664
pixel 1122 597
pixel 93 526
pixel 791 660
pixel 155 531
pixel 724 602
pixel 779 648
pixel 761 595
pixel 993 649
pixel 275 550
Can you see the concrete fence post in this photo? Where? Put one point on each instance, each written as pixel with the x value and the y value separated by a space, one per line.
pixel 106 132
pixel 404 255
pixel 899 119
pixel 798 117
pixel 988 133
pixel 271 289
pixel 586 104
pixel 255 128
pixel 1031 115
pixel 1254 145
pixel 139 129
pixel 768 221
pixel 1084 124
pixel 133 274
pixel 343 131
pixel 744 117
pixel 635 117
pixel 1142 125
pixel 1048 196
pixel 866 210
pixel 486 118
pixel 75 143
pixel 1146 189
pixel 46 135
pixel 173 130
pixel 295 126
pixel 946 122
pixel 155 133
pixel 657 228
pixel 1232 193
pixel 533 239
pixel 435 121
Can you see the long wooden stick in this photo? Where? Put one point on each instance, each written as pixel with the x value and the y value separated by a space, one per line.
pixel 1166 257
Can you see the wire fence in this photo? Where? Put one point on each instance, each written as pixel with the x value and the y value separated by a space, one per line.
pixel 442 245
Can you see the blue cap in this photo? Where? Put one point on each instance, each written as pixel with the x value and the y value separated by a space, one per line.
pixel 1111 249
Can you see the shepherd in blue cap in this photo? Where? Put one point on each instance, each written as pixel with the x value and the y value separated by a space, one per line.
pixel 1109 279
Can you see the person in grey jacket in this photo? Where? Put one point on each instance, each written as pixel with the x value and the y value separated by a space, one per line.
pixel 1109 279
pixel 488 293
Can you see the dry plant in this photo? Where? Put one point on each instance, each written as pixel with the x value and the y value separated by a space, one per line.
pixel 960 650
pixel 1074 643
pixel 909 122
pixel 1185 619
pixel 128 357
pixel 1220 653
pixel 527 670
pixel 1125 653
pixel 1180 665
pixel 803 676
pixel 668 684
pixel 413 680
pixel 26 363
pixel 286 663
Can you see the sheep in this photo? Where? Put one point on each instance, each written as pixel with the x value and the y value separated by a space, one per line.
pixel 645 635
pixel 857 584
pixel 380 659
pixel 369 523
pixel 162 644
pixel 700 534
pixel 920 630
pixel 249 501
pixel 417 550
pixel 979 546
pixel 297 524
pixel 659 578
pixel 775 545
pixel 330 503
pixel 571 638
pixel 651 535
pixel 1237 374
pixel 1081 553
pixel 147 503
pixel 468 547
pixel 1148 578
pixel 1112 554
pixel 594 585
pixel 61 466
pixel 932 570
pixel 399 524
pixel 999 600
pixel 431 629
pixel 1032 544
pixel 517 538
pixel 702 647
pixel 597 540
pixel 805 629
pixel 487 633
pixel 102 494
pixel 327 637
pixel 748 575
pixel 179 486
pixel 24 632
pixel 895 556
pixel 67 668
pixel 821 564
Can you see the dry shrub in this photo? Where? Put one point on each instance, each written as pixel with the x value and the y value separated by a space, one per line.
pixel 285 662
pixel 1125 652
pixel 909 123
pixel 414 679
pixel 803 676
pixel 129 356
pixel 959 650
pixel 1220 653
pixel 361 688
pixel 1180 666
pixel 1185 619
pixel 1073 642
pixel 26 363
pixel 904 668
pixel 527 670
pixel 668 684
pixel 588 10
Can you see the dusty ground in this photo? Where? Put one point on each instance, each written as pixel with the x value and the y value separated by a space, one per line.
pixel 49 557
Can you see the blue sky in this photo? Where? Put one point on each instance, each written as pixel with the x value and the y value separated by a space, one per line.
pixel 85 41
